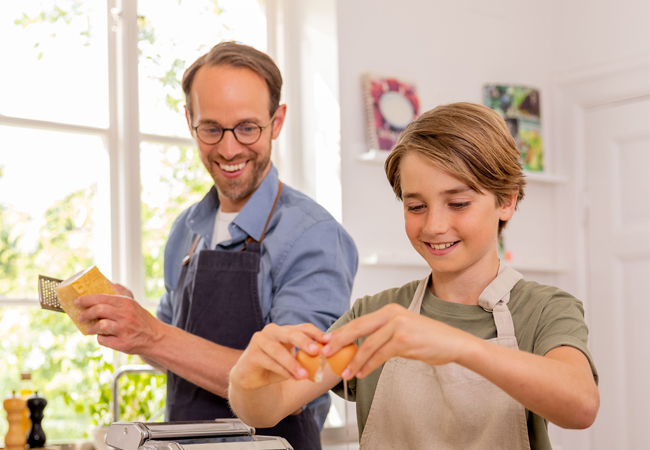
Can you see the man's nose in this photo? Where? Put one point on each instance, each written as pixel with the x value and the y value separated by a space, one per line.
pixel 229 147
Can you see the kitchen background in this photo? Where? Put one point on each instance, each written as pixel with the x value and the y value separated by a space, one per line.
pixel 91 113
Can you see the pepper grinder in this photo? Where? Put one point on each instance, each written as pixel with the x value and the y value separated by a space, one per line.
pixel 36 435
pixel 15 438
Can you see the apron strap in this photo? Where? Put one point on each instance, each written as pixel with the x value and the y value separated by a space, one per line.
pixel 248 239
pixel 499 288
pixel 277 197
pixel 192 249
pixel 495 299
pixel 416 303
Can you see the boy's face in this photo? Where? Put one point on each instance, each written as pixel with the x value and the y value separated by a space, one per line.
pixel 453 227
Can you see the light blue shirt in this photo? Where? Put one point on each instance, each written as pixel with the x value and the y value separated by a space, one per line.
pixel 307 261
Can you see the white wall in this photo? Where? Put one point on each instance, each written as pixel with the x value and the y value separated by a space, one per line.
pixel 450 49
pixel 589 33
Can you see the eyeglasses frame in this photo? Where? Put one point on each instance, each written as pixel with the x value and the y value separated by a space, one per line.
pixel 223 131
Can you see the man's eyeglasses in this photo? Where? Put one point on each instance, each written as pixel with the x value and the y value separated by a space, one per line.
pixel 246 133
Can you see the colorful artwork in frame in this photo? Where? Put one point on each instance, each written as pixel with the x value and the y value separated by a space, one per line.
pixel 520 108
pixel 390 105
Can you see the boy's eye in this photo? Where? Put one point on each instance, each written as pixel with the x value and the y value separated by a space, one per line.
pixel 416 208
pixel 459 205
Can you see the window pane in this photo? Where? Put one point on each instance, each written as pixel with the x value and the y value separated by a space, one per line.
pixel 173 34
pixel 173 178
pixel 72 372
pixel 57 54
pixel 48 345
pixel 54 207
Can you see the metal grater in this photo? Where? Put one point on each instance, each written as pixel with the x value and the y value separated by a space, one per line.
pixel 47 295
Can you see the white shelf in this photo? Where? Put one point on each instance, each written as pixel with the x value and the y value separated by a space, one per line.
pixel 537 177
pixel 393 260
pixel 408 261
pixel 374 156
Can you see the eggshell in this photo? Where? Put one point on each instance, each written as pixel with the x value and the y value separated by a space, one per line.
pixel 310 363
pixel 340 360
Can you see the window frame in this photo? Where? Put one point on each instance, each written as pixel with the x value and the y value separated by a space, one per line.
pixel 293 153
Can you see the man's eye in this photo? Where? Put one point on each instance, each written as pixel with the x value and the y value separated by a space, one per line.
pixel 212 129
pixel 247 127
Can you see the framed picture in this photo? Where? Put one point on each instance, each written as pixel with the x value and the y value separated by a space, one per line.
pixel 390 105
pixel 520 108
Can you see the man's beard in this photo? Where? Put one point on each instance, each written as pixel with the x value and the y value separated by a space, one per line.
pixel 237 189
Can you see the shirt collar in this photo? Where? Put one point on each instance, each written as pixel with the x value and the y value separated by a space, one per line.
pixel 251 219
pixel 253 216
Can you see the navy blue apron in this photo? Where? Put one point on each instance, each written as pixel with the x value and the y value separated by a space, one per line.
pixel 216 299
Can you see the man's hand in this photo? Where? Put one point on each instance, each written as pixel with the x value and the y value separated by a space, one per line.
pixel 270 355
pixel 121 290
pixel 395 331
pixel 123 324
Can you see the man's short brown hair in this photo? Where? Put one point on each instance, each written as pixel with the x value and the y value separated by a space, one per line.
pixel 234 54
pixel 471 142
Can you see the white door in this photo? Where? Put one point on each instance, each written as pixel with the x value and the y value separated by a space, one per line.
pixel 618 234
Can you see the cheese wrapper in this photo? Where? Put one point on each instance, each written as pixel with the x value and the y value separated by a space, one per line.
pixel 89 281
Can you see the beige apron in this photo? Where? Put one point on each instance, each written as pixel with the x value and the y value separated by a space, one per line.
pixel 420 406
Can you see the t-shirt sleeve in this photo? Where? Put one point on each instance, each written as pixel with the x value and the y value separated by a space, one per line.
pixel 562 323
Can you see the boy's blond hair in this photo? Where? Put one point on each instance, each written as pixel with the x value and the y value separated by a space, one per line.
pixel 471 142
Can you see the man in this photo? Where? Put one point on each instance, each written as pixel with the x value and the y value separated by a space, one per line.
pixel 251 253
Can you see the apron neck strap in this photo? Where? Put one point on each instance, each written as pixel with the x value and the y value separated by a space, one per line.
pixel 192 249
pixel 494 298
pixel 248 239
pixel 268 220
pixel 499 289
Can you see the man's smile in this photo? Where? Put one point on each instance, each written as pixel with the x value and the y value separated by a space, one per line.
pixel 232 167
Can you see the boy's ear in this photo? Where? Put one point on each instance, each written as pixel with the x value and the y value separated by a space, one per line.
pixel 508 207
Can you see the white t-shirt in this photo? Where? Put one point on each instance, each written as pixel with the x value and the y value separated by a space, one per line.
pixel 221 232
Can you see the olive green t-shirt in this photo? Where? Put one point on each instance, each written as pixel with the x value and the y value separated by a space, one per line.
pixel 544 318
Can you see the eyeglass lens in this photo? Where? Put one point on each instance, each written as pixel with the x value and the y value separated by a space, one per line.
pixel 245 133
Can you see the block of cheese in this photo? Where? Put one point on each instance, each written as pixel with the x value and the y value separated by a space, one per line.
pixel 89 281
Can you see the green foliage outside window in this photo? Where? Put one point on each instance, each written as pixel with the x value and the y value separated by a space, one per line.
pixel 71 370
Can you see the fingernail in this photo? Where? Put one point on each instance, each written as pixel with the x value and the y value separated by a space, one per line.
pixel 325 350
pixel 313 348
pixel 346 374
pixel 302 373
pixel 76 302
pixel 327 337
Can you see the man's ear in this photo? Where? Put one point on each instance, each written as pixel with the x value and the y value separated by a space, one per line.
pixel 189 121
pixel 508 207
pixel 278 121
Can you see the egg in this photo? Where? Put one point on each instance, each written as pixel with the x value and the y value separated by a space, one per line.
pixel 340 360
pixel 312 364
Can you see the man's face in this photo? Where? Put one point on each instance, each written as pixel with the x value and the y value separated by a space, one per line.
pixel 227 96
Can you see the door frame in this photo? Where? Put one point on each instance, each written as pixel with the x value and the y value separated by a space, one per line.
pixel 573 94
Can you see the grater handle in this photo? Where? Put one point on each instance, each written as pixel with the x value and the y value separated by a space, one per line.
pixel 47 295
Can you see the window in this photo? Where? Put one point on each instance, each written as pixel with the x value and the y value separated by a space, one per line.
pixel 93 143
